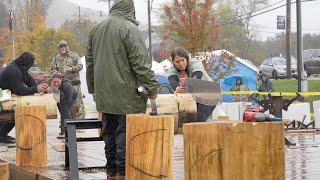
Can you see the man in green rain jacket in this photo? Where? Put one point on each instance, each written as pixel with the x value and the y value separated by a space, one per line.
pixel 117 64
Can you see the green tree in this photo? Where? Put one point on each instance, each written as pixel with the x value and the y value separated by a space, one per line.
pixel 80 30
pixel 232 35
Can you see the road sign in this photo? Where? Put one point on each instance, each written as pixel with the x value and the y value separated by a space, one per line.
pixel 281 22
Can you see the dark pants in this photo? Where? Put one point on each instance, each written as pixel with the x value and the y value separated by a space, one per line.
pixel 114 135
pixel 5 128
pixel 65 113
pixel 204 112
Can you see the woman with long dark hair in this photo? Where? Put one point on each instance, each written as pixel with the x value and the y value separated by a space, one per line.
pixel 184 67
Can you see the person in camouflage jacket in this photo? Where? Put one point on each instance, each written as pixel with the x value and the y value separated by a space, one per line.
pixel 68 63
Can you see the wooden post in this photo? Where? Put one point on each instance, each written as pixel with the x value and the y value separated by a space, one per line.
pixel 234 151
pixel 167 104
pixel 4 170
pixel 31 138
pixel 201 151
pixel 149 147
pixel 187 108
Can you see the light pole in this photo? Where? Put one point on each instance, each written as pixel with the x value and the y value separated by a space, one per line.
pixel 302 79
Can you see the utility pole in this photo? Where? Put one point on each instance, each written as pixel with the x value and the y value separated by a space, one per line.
pixel 288 39
pixel 79 26
pixel 302 78
pixel 79 16
pixel 150 30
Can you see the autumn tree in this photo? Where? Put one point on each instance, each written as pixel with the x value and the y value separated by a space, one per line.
pixel 190 24
pixel 31 34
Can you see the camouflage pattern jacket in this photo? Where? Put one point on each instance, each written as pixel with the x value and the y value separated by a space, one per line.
pixel 69 64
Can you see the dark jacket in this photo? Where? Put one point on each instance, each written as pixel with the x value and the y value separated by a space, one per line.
pixel 68 95
pixel 118 63
pixel 266 86
pixel 16 78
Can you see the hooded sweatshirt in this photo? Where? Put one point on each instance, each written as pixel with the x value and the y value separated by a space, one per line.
pixel 266 86
pixel 16 78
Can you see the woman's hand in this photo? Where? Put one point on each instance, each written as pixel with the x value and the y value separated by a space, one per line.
pixel 180 89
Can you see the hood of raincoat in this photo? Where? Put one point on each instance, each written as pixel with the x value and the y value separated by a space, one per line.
pixel 125 9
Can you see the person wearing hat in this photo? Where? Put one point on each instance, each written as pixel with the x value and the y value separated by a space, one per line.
pixel 68 63
pixel 65 95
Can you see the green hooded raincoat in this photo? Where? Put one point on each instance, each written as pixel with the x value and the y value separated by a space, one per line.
pixel 118 62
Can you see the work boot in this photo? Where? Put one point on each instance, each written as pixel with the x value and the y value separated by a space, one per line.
pixel 7 139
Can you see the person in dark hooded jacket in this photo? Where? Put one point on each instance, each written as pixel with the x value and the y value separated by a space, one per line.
pixel 16 78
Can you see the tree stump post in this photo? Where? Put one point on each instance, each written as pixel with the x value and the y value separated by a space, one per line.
pixel 31 140
pixel 149 147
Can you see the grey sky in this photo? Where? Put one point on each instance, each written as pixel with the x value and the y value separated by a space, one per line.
pixel 266 23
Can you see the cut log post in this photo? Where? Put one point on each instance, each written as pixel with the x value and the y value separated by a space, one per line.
pixel 31 141
pixel 187 108
pixel 201 151
pixel 167 104
pixel 234 151
pixel 34 100
pixel 149 147
pixel 4 170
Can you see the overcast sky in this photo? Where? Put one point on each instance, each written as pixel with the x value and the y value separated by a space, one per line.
pixel 266 23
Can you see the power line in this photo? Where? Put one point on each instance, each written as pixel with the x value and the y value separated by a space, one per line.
pixel 264 12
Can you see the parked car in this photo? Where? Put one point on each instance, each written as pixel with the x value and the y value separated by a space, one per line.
pixel 276 67
pixel 311 59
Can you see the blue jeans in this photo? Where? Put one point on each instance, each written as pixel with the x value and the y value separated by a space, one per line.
pixel 114 135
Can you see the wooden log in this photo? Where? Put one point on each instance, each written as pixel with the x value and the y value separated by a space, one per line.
pixel 167 104
pixel 223 118
pixel 4 170
pixel 34 100
pixel 181 106
pixel 241 151
pixel 149 147
pixel 201 151
pixel 31 141
pixel 187 108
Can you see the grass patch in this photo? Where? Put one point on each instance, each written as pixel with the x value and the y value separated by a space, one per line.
pixel 292 86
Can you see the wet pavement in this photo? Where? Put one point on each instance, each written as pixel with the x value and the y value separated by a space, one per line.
pixel 302 160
